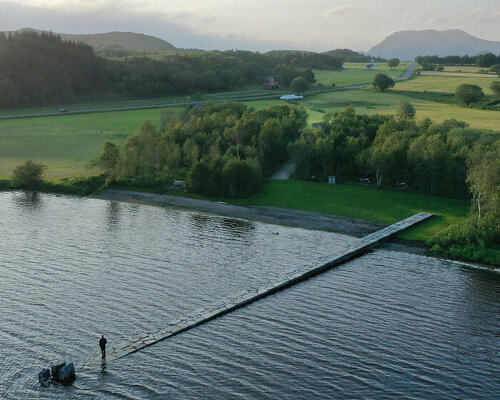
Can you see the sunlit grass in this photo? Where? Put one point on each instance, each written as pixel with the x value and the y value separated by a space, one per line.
pixel 361 202
pixel 70 144
pixel 354 73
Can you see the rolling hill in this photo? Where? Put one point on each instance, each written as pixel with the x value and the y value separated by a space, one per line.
pixel 129 41
pixel 406 45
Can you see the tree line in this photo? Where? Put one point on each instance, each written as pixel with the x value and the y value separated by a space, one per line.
pixel 228 149
pixel 352 56
pixel 210 71
pixel 429 157
pixel 482 60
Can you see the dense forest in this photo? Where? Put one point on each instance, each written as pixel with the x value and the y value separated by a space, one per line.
pixel 222 149
pixel 428 157
pixel 41 68
pixel 483 60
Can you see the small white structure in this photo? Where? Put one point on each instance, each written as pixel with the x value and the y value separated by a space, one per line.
pixel 178 185
pixel 332 179
pixel 291 97
pixel 371 67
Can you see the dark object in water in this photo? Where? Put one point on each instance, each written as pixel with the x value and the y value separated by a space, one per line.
pixel 44 377
pixel 55 368
pixel 67 374
pixel 60 373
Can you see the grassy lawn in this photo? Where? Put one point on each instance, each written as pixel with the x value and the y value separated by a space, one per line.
pixel 368 101
pixel 362 202
pixel 464 68
pixel 458 74
pixel 69 145
pixel 354 73
pixel 444 83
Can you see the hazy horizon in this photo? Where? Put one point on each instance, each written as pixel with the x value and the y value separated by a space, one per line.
pixel 316 25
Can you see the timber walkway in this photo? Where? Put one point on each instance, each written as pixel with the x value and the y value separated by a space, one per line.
pixel 229 304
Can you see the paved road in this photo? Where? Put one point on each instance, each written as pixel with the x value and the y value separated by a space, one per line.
pixel 408 73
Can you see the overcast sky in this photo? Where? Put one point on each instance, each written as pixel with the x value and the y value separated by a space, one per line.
pixel 256 24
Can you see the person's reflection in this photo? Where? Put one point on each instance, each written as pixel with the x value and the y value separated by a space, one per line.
pixel 104 367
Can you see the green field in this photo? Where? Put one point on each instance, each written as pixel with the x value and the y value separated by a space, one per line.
pixel 464 68
pixel 445 83
pixel 355 73
pixel 457 73
pixel 246 91
pixel 428 104
pixel 69 144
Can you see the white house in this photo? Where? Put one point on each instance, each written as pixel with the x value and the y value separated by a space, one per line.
pixel 371 67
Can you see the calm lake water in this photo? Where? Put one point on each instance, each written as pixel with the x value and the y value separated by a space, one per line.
pixel 386 325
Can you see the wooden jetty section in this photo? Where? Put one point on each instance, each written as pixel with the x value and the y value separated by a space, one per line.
pixel 229 304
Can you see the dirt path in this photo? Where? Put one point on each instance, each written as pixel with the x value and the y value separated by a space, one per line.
pixel 285 171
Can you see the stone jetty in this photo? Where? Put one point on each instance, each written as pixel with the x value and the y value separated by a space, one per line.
pixel 228 304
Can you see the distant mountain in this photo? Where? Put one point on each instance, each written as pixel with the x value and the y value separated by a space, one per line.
pixel 406 45
pixel 129 41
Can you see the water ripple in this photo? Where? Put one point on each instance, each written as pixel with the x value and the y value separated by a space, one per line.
pixel 386 325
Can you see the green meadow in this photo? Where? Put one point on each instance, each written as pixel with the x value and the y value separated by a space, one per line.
pixel 68 144
pixel 355 73
pixel 445 83
pixel 364 202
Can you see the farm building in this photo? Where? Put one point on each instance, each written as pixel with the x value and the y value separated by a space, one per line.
pixel 291 97
pixel 271 82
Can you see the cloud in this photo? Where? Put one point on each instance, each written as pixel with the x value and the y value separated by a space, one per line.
pixel 338 10
pixel 481 14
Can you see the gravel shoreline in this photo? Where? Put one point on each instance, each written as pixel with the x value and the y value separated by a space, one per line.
pixel 269 215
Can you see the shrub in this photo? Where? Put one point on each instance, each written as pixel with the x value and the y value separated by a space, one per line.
pixel 299 85
pixel 383 82
pixel 468 94
pixel 78 186
pixel 28 175
pixel 469 240
pixel 495 87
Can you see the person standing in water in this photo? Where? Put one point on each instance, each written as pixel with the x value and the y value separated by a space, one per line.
pixel 102 345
